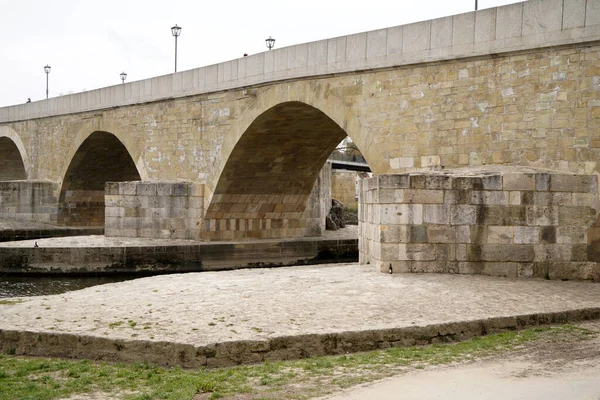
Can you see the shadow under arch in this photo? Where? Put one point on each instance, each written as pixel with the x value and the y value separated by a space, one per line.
pixel 266 182
pixel 101 158
pixel 14 163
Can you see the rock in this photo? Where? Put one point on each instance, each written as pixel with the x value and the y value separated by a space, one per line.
pixel 336 214
pixel 330 225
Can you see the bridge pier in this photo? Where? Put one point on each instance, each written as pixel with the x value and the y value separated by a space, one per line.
pixel 33 201
pixel 513 222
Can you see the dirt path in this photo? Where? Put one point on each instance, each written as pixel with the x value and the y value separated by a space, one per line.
pixel 544 370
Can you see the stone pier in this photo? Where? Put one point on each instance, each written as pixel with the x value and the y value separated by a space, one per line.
pixel 512 222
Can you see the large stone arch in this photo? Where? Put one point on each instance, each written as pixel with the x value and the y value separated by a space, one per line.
pixel 100 158
pixel 312 93
pixel 264 187
pixel 14 161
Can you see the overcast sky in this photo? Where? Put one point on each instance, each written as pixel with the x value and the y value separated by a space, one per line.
pixel 89 43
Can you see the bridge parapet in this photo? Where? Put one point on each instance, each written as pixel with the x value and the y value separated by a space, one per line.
pixel 517 27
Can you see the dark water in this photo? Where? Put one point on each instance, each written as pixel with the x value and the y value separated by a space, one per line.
pixel 12 286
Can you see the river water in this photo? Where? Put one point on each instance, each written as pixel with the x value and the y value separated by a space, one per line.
pixel 13 286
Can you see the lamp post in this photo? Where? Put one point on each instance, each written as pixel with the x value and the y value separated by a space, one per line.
pixel 176 31
pixel 123 76
pixel 270 42
pixel 475 5
pixel 47 71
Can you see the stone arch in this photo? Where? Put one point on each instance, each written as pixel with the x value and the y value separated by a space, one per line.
pixel 312 93
pixel 99 125
pixel 264 187
pixel 14 161
pixel 100 158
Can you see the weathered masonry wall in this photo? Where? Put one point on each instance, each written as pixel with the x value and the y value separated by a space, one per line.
pixel 169 210
pixel 514 223
pixel 29 201
pixel 343 187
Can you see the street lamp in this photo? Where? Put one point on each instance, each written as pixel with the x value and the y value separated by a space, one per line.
pixel 176 31
pixel 123 76
pixel 47 71
pixel 270 42
pixel 475 5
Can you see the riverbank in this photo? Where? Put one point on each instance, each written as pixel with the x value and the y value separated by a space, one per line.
pixel 248 316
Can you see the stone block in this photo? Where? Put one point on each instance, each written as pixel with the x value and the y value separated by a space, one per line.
pixel 417 252
pixel 573 14
pixel 457 197
pixel 441 234
pixel 592 14
pixel 402 162
pixel 489 197
pixel 356 47
pixel 575 216
pixel 542 182
pixel 463 29
pixel 501 269
pixel 412 196
pixel 508 21
pixel 542 215
pixel 415 37
pixel 573 183
pixel 441 33
pixel 574 234
pixel 394 234
pixel 463 233
pixel 526 235
pixel 387 252
pixel 467 183
pixel 542 16
pixel 376 43
pixel 394 40
pixel 127 188
pixel 391 181
pixel 145 189
pixel 583 199
pixel 430 161
pixel 435 214
pixel 463 215
pixel 401 214
pixel 485 25
pixel 111 188
pixel 492 182
pixel 437 182
pixel 524 181
pixel 552 252
pixel 500 234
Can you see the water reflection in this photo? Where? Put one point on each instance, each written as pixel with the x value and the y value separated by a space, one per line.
pixel 13 286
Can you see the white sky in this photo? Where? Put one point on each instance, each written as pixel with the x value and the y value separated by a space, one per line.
pixel 89 43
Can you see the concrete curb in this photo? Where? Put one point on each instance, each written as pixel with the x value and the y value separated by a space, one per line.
pixel 224 354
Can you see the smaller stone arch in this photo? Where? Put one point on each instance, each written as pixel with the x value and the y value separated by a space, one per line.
pixel 100 158
pixel 14 162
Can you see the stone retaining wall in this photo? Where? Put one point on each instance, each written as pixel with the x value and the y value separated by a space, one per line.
pixel 29 201
pixel 503 223
pixel 168 210
pixel 231 353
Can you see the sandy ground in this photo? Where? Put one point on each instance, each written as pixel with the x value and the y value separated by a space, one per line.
pixel 541 371
pixel 210 307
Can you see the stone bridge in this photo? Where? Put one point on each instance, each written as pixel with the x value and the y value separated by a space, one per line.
pixel 233 150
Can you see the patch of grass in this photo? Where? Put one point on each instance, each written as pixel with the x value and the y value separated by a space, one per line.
pixel 46 379
pixel 10 302
pixel 113 325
